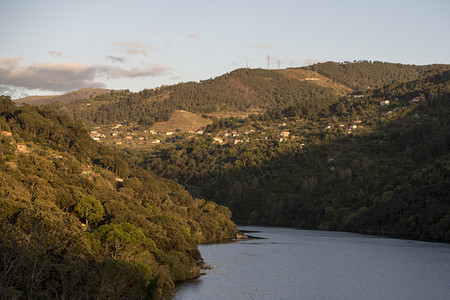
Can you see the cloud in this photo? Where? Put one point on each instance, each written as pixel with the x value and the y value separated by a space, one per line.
pixel 67 76
pixel 47 76
pixel 149 70
pixel 134 48
pixel 259 46
pixel 116 58
pixel 193 35
pixel 58 53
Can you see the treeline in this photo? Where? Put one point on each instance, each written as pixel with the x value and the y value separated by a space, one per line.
pixel 364 75
pixel 79 221
pixel 393 180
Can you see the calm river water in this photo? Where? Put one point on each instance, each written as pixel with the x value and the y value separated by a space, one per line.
pixel 304 264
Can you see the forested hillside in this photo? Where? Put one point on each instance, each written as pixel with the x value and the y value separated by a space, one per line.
pixel 303 91
pixel 359 146
pixel 366 75
pixel 238 91
pixel 78 221
pixel 366 166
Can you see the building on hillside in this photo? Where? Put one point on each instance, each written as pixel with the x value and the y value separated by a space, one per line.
pixel 22 148
pixel 6 133
pixel 285 134
pixel 417 99
pixel 384 102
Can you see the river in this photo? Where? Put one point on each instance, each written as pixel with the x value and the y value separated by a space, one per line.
pixel 305 264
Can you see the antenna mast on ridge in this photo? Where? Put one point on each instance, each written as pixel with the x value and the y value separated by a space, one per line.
pixel 268 61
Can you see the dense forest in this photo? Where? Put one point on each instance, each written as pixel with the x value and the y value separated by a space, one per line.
pixel 391 178
pixel 367 75
pixel 79 221
pixel 239 90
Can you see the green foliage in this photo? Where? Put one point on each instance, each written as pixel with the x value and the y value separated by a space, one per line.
pixel 141 236
pixel 121 241
pixel 364 75
pixel 89 209
pixel 239 90
pixel 390 179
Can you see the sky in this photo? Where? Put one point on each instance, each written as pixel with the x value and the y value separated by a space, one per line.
pixel 56 46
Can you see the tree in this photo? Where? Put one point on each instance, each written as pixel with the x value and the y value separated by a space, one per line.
pixel 89 209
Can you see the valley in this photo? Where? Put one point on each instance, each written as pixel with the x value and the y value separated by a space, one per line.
pixel 128 183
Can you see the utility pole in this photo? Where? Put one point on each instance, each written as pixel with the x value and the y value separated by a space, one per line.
pixel 268 62
pixel 278 64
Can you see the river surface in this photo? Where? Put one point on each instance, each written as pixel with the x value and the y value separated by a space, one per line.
pixel 305 264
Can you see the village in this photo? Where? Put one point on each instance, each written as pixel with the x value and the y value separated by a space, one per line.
pixel 305 130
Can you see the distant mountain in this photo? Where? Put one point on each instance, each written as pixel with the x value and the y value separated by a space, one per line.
pixel 304 91
pixel 81 94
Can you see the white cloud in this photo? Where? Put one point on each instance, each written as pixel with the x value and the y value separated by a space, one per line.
pixel 66 76
pixel 148 70
pixel 134 48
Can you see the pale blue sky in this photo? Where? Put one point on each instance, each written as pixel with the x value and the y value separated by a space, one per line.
pixel 58 46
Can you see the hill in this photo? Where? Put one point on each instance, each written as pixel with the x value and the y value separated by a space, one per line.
pixel 312 147
pixel 239 91
pixel 304 91
pixel 81 94
pixel 79 221
pixel 366 75
pixel 369 165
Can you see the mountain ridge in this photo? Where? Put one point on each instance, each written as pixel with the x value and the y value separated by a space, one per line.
pixel 80 94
